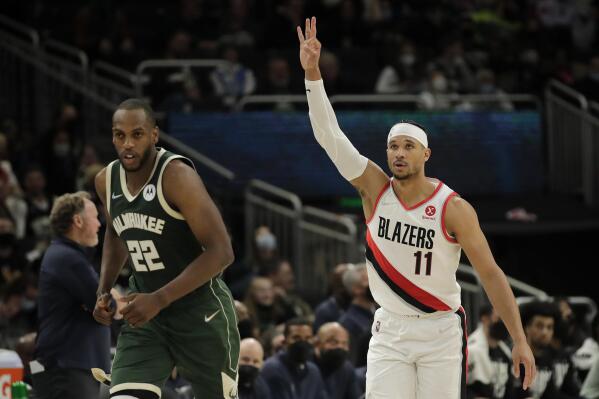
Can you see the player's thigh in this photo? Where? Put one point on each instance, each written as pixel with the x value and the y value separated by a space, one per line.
pixel 205 346
pixel 142 360
pixel 441 372
pixel 388 375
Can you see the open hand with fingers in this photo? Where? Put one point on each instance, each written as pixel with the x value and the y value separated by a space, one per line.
pixel 309 45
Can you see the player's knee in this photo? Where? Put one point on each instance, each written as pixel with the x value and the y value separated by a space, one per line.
pixel 135 390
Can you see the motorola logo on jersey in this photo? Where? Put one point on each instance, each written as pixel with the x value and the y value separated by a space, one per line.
pixel 406 234
pixel 429 212
pixel 149 192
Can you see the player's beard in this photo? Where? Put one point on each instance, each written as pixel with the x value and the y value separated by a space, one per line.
pixel 145 156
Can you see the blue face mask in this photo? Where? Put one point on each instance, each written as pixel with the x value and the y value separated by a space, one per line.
pixel 267 242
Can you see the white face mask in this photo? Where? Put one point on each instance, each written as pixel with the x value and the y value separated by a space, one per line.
pixel 439 84
pixel 266 242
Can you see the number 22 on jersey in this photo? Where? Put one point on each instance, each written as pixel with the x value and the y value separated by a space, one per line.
pixel 144 255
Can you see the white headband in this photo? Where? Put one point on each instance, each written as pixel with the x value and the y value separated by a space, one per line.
pixel 407 129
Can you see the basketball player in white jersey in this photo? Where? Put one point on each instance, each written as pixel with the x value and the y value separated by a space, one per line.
pixel 416 228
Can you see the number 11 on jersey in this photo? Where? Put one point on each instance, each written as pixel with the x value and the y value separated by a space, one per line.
pixel 429 260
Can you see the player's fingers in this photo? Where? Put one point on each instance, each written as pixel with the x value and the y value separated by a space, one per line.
pixel 313 27
pixel 516 362
pixel 307 29
pixel 527 375
pixel 300 35
pixel 102 317
pixel 128 298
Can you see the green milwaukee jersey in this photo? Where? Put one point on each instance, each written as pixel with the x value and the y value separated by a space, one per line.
pixel 158 238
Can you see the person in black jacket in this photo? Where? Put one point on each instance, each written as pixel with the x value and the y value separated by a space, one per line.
pixel 70 342
pixel 251 360
pixel 557 378
pixel 331 354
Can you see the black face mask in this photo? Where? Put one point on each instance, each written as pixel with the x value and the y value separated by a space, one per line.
pixel 299 352
pixel 332 359
pixel 247 377
pixel 498 331
pixel 246 328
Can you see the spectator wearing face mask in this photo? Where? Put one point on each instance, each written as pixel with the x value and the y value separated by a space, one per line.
pixel 290 374
pixel 264 257
pixel 265 254
pixel 331 351
pixel 358 318
pixel 435 94
pixel 402 75
pixel 251 359
pixel 489 358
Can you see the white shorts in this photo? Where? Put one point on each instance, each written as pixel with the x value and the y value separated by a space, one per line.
pixel 412 357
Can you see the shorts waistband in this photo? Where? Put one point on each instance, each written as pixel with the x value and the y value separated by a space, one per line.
pixel 414 316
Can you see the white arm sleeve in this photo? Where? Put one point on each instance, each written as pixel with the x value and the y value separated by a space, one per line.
pixel 349 162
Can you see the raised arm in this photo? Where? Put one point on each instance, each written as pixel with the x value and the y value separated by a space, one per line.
pixel 114 256
pixel 462 222
pixel 365 175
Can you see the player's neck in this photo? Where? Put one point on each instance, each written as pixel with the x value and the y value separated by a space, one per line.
pixel 135 180
pixel 413 190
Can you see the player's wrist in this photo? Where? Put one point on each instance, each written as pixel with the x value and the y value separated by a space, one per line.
pixel 312 74
pixel 162 298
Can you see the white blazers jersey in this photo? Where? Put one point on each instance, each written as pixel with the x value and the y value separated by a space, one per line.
pixel 411 258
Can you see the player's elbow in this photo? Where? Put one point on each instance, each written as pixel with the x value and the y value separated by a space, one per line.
pixel 227 257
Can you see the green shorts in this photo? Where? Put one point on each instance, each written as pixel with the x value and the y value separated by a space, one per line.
pixel 200 339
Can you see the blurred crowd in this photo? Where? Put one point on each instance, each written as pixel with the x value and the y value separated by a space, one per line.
pixel 425 48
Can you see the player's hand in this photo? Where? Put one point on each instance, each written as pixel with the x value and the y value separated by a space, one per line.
pixel 104 309
pixel 309 45
pixel 521 354
pixel 140 308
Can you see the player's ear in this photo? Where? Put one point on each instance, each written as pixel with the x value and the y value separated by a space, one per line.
pixel 427 154
pixel 155 134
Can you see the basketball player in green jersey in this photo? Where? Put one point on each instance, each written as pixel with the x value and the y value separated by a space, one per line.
pixel 163 222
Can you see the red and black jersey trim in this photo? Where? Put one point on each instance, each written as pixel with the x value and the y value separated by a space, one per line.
pixel 403 287
pixel 464 380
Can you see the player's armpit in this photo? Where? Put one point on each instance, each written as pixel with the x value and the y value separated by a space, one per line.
pixel 369 186
pixel 461 221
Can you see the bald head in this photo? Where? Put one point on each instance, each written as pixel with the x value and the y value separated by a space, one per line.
pixel 332 336
pixel 251 353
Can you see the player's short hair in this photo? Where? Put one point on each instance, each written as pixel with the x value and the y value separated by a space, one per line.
pixel 64 208
pixel 529 310
pixel 137 103
pixel 296 321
